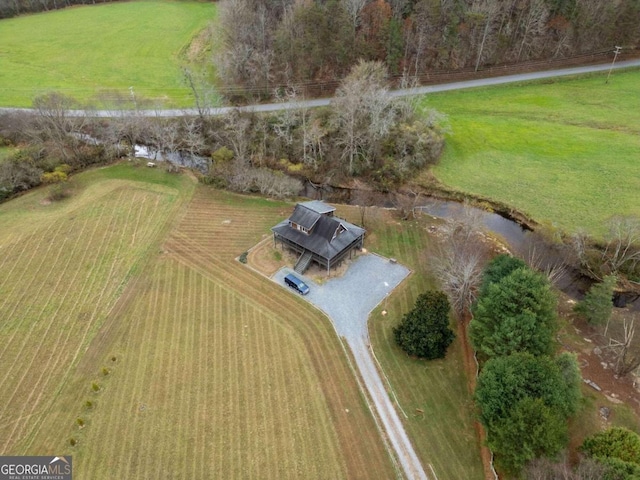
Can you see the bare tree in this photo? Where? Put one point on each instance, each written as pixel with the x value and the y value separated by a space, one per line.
pixel 363 113
pixel 52 123
pixel 458 261
pixel 237 134
pixel 627 357
pixel 354 8
pixel 192 136
pixel 203 92
pixel 621 249
pixel 533 26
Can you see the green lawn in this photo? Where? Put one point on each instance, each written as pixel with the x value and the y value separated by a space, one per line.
pixel 83 51
pixel 564 151
pixel 433 394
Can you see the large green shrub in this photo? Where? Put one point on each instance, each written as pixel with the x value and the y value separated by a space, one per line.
pixel 424 331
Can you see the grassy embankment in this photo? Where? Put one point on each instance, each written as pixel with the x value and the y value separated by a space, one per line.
pixel 563 151
pixel 204 369
pixel 434 395
pixel 89 50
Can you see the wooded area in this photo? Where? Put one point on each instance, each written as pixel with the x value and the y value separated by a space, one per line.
pixel 267 43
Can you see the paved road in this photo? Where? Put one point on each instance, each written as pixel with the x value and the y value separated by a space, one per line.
pixel 348 301
pixel 320 102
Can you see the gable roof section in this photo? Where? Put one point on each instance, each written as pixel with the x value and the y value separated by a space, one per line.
pixel 321 240
pixel 304 217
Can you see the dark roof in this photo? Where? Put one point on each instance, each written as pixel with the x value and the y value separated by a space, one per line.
pixel 318 206
pixel 305 217
pixel 321 239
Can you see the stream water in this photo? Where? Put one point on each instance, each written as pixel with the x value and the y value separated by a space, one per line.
pixel 517 238
pixel 183 159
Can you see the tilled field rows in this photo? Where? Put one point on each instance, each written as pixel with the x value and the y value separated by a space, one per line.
pixel 214 384
pixel 57 285
pixel 223 374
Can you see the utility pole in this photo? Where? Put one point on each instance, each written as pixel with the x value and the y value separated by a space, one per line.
pixel 615 55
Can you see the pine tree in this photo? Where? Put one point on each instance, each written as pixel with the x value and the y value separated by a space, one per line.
pixel 598 302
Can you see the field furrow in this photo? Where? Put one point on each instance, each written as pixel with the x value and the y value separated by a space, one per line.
pixel 66 277
pixel 201 361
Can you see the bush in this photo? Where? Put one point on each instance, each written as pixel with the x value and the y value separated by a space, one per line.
pixel 616 442
pixel 58 191
pixel 597 305
pixel 424 331
pixel 56 176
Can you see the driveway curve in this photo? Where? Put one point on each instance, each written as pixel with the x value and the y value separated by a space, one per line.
pixel 348 301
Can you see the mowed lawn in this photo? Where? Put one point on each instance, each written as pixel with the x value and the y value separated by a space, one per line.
pixel 89 50
pixel 565 151
pixel 205 369
pixel 433 394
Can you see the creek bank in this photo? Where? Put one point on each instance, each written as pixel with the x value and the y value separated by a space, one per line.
pixel 511 226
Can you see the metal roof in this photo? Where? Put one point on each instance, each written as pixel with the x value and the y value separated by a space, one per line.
pixel 318 206
pixel 321 239
pixel 304 216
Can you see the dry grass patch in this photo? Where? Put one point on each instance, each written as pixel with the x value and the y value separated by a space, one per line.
pixel 64 267
pixel 219 370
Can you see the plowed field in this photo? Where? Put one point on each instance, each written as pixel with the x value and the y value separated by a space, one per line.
pixel 204 369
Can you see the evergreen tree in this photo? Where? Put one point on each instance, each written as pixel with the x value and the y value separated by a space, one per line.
pixel 424 331
pixel 515 314
pixel 598 302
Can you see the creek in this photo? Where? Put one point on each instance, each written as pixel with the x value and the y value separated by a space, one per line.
pixel 516 237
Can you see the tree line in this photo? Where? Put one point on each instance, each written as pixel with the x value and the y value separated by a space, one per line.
pixel 13 8
pixel 364 133
pixel 288 41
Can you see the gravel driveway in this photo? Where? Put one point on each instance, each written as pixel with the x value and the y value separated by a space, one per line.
pixel 348 301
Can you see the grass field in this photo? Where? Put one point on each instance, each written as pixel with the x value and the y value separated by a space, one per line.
pixel 433 394
pixel 205 369
pixel 83 51
pixel 562 151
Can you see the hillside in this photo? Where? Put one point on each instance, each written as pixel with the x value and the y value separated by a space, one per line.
pixel 99 52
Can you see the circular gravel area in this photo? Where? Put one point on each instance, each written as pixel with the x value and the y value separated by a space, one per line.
pixel 349 299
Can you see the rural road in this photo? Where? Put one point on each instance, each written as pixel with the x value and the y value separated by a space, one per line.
pixel 320 102
pixel 348 301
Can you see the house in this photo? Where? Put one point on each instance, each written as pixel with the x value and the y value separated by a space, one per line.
pixel 317 235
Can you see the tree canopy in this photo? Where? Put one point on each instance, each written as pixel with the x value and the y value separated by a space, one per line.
pixel 598 302
pixel 515 314
pixel 524 402
pixel 530 430
pixel 504 381
pixel 424 331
